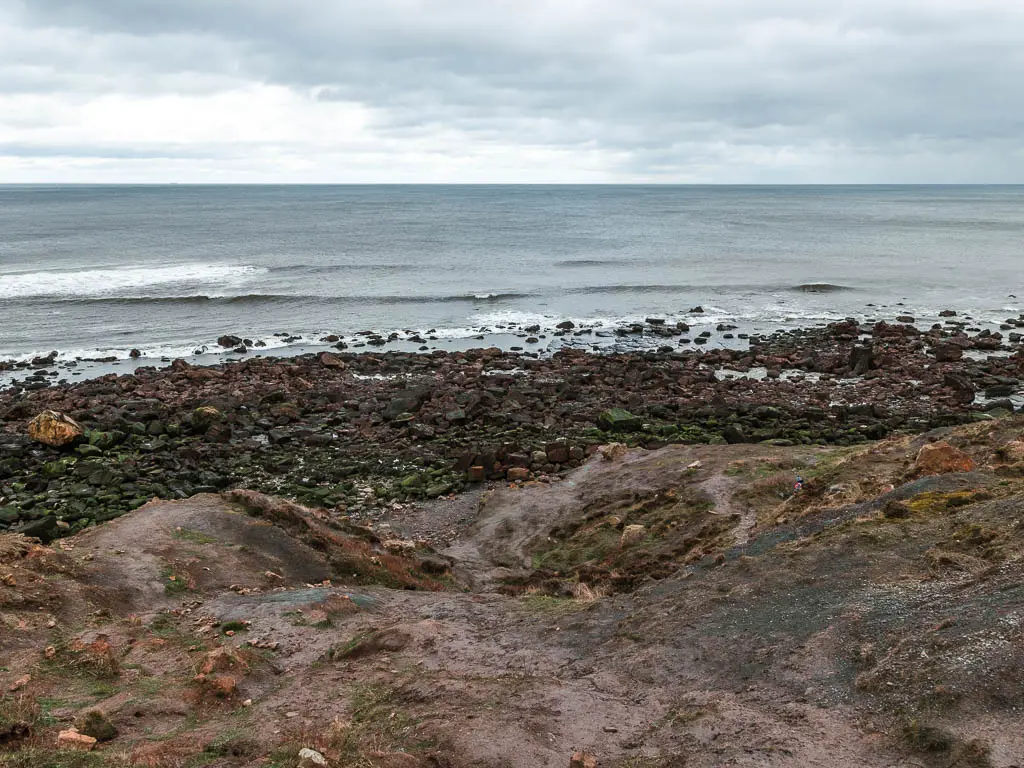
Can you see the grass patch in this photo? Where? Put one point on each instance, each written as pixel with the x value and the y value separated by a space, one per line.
pixel 53 758
pixel 175 582
pixel 234 626
pixel 196 537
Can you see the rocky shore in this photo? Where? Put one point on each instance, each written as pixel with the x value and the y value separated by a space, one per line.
pixel 360 432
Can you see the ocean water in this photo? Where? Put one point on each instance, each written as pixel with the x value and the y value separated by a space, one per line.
pixel 99 270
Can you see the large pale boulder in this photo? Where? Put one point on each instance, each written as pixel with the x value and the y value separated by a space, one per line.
pixel 55 429
pixel 72 739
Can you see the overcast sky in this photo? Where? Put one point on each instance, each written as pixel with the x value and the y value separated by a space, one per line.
pixel 732 91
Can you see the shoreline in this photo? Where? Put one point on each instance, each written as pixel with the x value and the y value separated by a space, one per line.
pixel 357 432
pixel 693 330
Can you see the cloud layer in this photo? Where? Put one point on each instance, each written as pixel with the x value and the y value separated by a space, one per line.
pixel 730 91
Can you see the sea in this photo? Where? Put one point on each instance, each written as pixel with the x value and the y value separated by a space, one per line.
pixel 95 272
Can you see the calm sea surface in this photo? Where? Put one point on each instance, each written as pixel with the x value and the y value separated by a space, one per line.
pixel 167 269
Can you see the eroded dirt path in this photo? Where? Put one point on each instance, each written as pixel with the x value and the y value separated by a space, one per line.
pixel 233 627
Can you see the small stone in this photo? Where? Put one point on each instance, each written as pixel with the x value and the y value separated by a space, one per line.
pixel 582 760
pixel 20 683
pixel 310 758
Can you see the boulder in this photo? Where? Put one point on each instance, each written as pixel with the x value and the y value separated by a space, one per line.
pixel 963 390
pixel 329 360
pixel 619 420
pixel 54 429
pixel 948 353
pixel 942 458
pixel 203 417
pixel 72 739
pixel 518 474
pixel 229 342
pixel 862 360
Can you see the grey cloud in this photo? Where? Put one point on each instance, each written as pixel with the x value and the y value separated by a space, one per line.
pixel 662 87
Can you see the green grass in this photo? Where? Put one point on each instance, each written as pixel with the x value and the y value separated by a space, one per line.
pixel 197 537
pixel 52 758
pixel 174 582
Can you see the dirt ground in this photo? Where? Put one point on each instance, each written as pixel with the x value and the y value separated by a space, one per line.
pixel 680 607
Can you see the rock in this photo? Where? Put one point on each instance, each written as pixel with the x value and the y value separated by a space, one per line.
pixel 942 458
pixel 229 342
pixel 948 353
pixel 54 429
pixel 44 529
pixel 518 474
pixel 94 723
pixel 310 758
pixel 538 458
pixel 223 685
pixel 619 420
pixel 947 313
pixel 1003 405
pixel 698 310
pixel 1013 451
pixel 557 452
pixel 963 390
pixel 582 760
pixel 135 354
pixel 477 474
pixel 862 359
pixel 438 489
pixel 632 534
pixel 613 451
pixel 72 739
pixel 203 417
pixel 734 434
pixel 1000 390
pixel 329 360
pixel 566 325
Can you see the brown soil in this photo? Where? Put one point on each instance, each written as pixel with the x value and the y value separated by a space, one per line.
pixel 870 619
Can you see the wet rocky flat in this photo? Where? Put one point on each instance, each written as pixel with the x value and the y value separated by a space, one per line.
pixel 361 433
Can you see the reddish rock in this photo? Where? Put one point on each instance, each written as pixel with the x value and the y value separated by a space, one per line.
pixel 558 452
pixel 942 458
pixel 54 429
pixel 518 473
pixel 329 360
pixel 582 760
pixel 948 353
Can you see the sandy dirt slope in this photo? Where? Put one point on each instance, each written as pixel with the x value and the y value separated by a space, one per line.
pixel 679 607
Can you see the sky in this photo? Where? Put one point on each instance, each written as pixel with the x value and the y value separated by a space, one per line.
pixel 510 91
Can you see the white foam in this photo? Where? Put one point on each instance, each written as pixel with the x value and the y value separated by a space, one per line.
pixel 120 281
